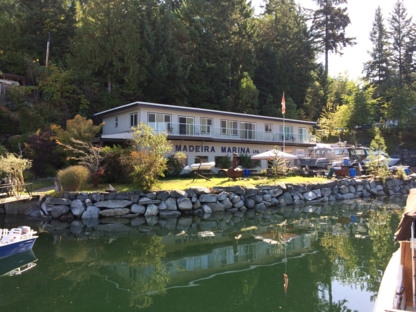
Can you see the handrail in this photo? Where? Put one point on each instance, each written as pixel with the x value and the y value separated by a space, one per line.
pixel 8 190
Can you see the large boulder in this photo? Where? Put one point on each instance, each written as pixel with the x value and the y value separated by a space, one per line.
pixel 59 210
pixel 113 204
pixel 114 212
pixel 77 207
pixel 92 212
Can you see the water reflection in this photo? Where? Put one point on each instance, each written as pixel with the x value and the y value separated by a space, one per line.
pixel 240 260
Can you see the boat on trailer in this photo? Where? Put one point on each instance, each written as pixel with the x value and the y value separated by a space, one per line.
pixel 397 290
pixel 16 240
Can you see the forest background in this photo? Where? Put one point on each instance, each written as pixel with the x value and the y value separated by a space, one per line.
pixel 214 54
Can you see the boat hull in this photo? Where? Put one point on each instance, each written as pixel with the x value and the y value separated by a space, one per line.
pixel 17 247
pixel 16 261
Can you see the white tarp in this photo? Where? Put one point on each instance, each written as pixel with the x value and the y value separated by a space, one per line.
pixel 272 154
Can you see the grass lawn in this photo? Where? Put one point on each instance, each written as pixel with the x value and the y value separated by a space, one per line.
pixel 188 182
pixel 38 184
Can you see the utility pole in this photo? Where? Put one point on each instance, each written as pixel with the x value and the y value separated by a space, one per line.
pixel 47 49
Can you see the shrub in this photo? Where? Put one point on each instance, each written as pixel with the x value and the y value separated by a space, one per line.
pixel 72 178
pixel 173 166
pixel 224 162
pixel 245 160
pixel 400 173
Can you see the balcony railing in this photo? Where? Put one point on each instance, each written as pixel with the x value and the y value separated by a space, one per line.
pixel 199 131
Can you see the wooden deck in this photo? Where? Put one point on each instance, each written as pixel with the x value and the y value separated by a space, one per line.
pixel 12 193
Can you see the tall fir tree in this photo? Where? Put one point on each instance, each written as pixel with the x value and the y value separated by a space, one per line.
pixel 329 25
pixel 285 56
pixel 40 21
pixel 401 32
pixel 378 69
pixel 221 38
pixel 163 39
pixel 109 47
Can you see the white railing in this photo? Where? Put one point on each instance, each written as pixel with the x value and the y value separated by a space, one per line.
pixel 229 133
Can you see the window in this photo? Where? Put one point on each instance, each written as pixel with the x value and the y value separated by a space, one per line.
pixel 302 135
pixel 268 128
pixel 206 124
pixel 133 120
pixel 201 159
pixel 186 125
pixel 228 127
pixel 160 122
pixel 287 133
pixel 247 130
pixel 116 122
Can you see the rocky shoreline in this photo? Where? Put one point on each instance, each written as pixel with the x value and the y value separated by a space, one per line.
pixel 201 201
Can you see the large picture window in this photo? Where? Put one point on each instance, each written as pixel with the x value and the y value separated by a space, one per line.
pixel 206 124
pixel 186 125
pixel 229 127
pixel 302 134
pixel 247 130
pixel 160 122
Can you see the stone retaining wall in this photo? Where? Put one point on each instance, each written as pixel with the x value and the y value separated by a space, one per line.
pixel 203 201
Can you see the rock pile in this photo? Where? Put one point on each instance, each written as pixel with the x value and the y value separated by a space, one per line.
pixel 202 201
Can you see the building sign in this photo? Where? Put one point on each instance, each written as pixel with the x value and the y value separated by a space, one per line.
pixel 211 149
pixel 300 153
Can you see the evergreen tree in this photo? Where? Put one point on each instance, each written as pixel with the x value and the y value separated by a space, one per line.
pixel 247 96
pixel 329 24
pixel 221 38
pixel 401 32
pixel 40 21
pixel 108 46
pixel 377 70
pixel 285 55
pixel 163 39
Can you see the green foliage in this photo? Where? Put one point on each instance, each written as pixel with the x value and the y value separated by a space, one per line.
pixel 30 120
pixel 279 167
pixel 245 160
pixel 3 150
pixel 87 155
pixel 148 159
pixel 117 164
pixel 61 93
pixel 378 143
pixel 224 162
pixel 173 166
pixel 248 95
pixel 73 178
pixel 146 170
pixel 14 166
pixel 400 173
pixel 284 46
pixel 108 45
pixel 78 128
pixel 376 165
pixel 329 23
pixel 42 149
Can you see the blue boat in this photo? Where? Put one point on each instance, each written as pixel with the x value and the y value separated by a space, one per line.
pixel 16 241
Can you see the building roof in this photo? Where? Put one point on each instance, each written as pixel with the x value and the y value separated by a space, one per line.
pixel 200 110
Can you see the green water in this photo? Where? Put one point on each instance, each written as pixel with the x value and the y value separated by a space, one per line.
pixel 334 261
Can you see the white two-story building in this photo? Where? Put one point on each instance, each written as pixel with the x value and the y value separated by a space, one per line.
pixel 204 135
